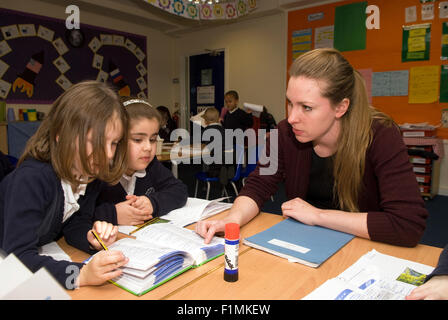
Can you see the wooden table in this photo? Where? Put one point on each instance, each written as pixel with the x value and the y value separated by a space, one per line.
pixel 110 291
pixel 261 275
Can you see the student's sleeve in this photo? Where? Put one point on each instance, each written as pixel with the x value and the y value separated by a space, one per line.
pixel 22 220
pixel 401 219
pixel 170 193
pixel 105 207
pixel 442 265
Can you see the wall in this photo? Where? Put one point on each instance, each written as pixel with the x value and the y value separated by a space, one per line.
pixel 383 53
pixel 256 58
pixel 159 46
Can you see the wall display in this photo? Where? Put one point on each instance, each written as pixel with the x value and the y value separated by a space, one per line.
pixel 390 83
pixel 424 84
pixel 324 37
pixel 350 26
pixel 390 64
pixel 443 84
pixel 444 54
pixel 416 42
pixel 206 10
pixel 301 42
pixel 40 58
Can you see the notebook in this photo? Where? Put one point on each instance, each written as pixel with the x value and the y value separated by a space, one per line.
pixel 161 252
pixel 298 242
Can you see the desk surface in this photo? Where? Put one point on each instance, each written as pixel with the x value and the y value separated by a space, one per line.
pixel 261 275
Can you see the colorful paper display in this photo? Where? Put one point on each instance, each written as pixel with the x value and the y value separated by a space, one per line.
pixel 204 10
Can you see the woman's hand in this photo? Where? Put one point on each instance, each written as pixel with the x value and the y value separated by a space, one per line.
pixel 207 229
pixel 106 231
pixel 301 210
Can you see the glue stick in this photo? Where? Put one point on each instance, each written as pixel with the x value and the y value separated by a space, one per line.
pixel 232 241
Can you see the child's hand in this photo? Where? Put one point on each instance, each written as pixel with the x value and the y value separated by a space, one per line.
pixel 143 203
pixel 104 266
pixel 106 231
pixel 435 289
pixel 128 214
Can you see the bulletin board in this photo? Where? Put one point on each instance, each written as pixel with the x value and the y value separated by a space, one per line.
pixel 383 54
pixel 40 58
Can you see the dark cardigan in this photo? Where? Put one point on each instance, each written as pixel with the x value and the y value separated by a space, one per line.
pixel 165 192
pixel 31 212
pixel 390 196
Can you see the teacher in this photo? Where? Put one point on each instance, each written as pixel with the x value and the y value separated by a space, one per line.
pixel 344 163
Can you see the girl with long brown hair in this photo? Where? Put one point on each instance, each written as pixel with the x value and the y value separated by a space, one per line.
pixel 53 190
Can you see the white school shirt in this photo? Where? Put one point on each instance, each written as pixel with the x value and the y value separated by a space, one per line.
pixel 71 199
pixel 128 182
pixel 232 111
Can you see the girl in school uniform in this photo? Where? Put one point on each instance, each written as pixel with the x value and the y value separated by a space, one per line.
pixel 53 191
pixel 147 189
pixel 344 164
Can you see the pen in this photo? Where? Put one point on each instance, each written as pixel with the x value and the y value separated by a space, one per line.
pixel 153 220
pixel 99 240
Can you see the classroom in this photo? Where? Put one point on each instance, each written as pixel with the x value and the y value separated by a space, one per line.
pixel 185 56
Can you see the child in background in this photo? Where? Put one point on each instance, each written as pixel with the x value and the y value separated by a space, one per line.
pixel 235 118
pixel 267 120
pixel 167 124
pixel 53 190
pixel 147 189
pixel 213 128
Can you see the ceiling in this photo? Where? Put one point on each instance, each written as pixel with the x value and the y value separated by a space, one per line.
pixel 140 12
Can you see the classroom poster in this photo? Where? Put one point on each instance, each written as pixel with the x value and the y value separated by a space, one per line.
pixel 40 58
pixel 324 37
pixel 390 83
pixel 301 42
pixel 367 75
pixel 424 84
pixel 416 42
pixel 444 54
pixel 350 27
pixel 444 84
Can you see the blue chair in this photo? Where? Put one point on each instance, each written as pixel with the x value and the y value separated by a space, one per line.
pixel 203 176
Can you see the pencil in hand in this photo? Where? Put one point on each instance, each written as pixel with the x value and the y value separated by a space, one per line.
pixel 97 237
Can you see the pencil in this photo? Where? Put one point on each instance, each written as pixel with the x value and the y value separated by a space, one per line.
pixel 153 220
pixel 99 240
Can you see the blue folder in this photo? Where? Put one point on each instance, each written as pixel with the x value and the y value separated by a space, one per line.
pixel 298 242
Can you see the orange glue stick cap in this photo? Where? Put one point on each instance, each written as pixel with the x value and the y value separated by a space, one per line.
pixel 232 231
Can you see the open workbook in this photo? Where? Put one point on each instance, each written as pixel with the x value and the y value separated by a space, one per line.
pixel 161 252
pixel 375 276
pixel 194 210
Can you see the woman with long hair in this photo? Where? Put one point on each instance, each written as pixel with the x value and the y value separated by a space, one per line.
pixel 344 163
